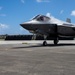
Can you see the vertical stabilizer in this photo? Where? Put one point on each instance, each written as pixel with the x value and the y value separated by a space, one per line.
pixel 68 20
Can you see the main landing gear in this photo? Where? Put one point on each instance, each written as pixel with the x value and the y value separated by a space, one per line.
pixel 34 37
pixel 56 40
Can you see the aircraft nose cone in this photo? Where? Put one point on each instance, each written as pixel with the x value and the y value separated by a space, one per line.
pixel 27 26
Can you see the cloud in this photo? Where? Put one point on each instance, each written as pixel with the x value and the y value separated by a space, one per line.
pixel 3 26
pixel 43 1
pixel 73 13
pixel 3 15
pixel 23 1
pixel 61 12
pixel 48 14
pixel 53 19
pixel 1 8
pixel 22 29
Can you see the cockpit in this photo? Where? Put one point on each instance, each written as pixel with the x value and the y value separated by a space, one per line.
pixel 41 18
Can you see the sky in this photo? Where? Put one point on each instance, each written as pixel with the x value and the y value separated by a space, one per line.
pixel 15 12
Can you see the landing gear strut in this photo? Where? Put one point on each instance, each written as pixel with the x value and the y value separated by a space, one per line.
pixel 56 41
pixel 34 37
pixel 45 42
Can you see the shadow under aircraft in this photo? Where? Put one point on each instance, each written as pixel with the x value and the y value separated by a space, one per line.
pixel 48 45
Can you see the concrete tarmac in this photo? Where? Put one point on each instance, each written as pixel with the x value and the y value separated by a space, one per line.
pixel 34 59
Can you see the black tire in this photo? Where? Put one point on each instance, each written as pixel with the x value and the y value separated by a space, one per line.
pixel 44 43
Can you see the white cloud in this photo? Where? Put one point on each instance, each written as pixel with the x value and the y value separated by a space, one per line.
pixel 61 11
pixel 48 14
pixel 54 20
pixel 23 1
pixel 73 13
pixel 3 15
pixel 1 8
pixel 22 29
pixel 38 0
pixel 43 0
pixel 3 26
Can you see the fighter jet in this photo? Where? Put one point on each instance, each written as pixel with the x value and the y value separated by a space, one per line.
pixel 49 26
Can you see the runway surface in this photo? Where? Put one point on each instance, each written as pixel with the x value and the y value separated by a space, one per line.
pixel 31 58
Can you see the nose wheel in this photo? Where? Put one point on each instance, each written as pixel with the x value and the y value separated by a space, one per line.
pixel 45 42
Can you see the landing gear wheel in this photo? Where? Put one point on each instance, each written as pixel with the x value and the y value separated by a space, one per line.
pixel 44 43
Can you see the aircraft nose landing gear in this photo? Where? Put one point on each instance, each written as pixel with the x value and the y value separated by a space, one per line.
pixel 56 41
pixel 45 42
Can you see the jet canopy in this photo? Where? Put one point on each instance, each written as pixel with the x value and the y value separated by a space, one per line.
pixel 41 18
